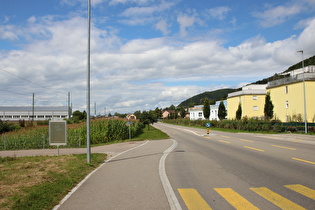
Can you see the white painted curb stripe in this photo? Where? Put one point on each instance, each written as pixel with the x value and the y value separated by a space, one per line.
pixel 171 197
pixel 88 176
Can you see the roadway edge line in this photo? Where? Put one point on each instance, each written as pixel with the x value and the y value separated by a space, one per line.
pixel 90 174
pixel 170 194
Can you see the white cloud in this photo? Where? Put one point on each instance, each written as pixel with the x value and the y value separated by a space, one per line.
pixel 144 14
pixel 162 26
pixel 277 15
pixel 146 11
pixel 306 40
pixel 138 2
pixel 184 22
pixel 135 74
pixel 9 32
pixel 219 12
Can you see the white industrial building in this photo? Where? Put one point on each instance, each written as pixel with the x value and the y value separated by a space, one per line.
pixel 38 113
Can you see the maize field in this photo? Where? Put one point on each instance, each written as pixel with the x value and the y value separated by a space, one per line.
pixel 101 131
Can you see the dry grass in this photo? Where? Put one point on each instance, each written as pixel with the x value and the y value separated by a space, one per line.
pixel 19 175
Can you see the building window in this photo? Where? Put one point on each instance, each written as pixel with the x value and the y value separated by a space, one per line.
pixel 287 104
pixel 286 90
pixel 255 108
pixel 254 97
pixel 200 114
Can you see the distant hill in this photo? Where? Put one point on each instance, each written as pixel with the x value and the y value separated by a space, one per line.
pixel 222 94
pixel 212 96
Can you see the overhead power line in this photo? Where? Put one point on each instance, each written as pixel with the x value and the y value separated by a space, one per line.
pixel 23 94
pixel 23 78
pixel 41 86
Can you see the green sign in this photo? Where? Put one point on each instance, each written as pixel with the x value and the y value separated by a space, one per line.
pixel 58 132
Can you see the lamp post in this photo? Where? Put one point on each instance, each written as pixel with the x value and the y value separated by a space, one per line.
pixel 304 92
pixel 88 87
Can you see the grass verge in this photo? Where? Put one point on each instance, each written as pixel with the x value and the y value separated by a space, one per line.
pixel 151 134
pixel 40 182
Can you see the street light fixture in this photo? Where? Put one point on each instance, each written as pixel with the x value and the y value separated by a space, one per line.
pixel 304 91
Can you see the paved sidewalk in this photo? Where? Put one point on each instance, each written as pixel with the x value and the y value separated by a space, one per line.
pixel 110 150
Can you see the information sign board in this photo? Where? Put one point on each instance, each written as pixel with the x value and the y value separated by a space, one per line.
pixel 58 132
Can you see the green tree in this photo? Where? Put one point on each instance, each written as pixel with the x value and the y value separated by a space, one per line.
pixel 206 108
pixel 77 116
pixel 222 111
pixel 158 113
pixel 268 109
pixel 182 112
pixel 147 118
pixel 84 114
pixel 172 107
pixel 239 112
pixel 138 114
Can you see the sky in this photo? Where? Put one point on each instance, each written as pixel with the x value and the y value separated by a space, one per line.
pixel 145 53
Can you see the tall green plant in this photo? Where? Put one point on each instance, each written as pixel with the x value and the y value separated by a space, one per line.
pixel 206 108
pixel 222 111
pixel 239 112
pixel 268 109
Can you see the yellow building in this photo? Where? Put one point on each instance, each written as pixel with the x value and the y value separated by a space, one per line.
pixel 252 100
pixel 287 96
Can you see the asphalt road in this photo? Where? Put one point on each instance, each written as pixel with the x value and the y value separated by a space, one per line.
pixel 242 171
pixel 195 170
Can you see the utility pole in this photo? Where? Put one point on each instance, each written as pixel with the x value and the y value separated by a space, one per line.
pixel 69 107
pixel 94 109
pixel 88 95
pixel 33 108
pixel 304 92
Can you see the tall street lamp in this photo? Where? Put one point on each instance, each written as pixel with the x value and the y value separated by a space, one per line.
pixel 88 88
pixel 304 91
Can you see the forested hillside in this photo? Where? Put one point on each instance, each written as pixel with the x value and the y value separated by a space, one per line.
pixel 212 96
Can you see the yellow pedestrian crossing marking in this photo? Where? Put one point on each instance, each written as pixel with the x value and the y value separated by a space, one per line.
pixel 276 199
pixel 193 199
pixel 308 192
pixel 225 136
pixel 254 148
pixel 246 140
pixel 235 199
pixel 283 147
pixel 225 141
pixel 306 161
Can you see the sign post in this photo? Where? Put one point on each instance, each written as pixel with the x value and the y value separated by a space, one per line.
pixel 129 124
pixel 58 133
pixel 208 125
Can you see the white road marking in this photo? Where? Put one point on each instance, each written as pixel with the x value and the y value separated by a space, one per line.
pixel 171 197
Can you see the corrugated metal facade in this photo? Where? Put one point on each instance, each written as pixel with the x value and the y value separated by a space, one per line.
pixel 15 113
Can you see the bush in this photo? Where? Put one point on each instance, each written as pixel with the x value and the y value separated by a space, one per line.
pixel 247 124
pixel 7 127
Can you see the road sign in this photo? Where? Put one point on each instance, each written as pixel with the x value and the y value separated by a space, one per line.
pixel 208 125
